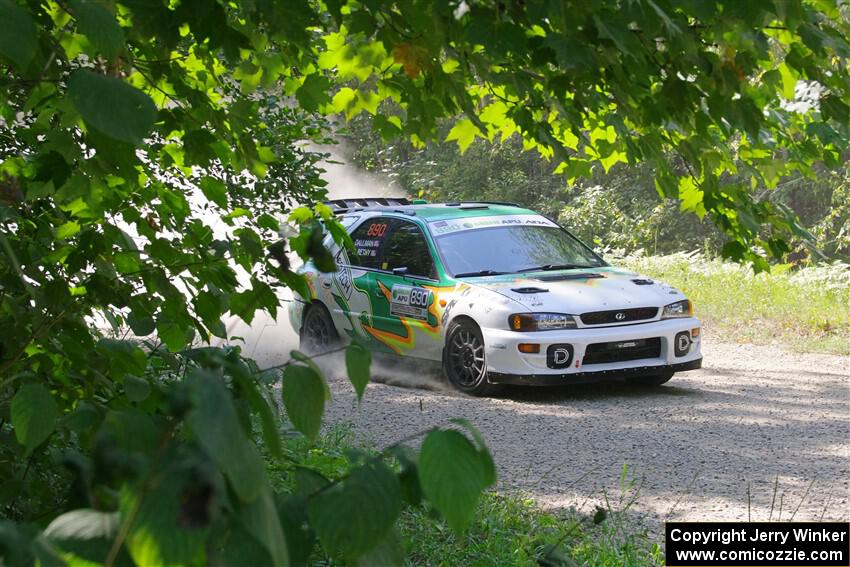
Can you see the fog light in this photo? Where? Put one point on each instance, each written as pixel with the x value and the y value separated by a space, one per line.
pixel 682 343
pixel 559 356
pixel 529 348
pixel 694 333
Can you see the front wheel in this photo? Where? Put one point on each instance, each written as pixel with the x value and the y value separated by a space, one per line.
pixel 654 380
pixel 318 334
pixel 464 360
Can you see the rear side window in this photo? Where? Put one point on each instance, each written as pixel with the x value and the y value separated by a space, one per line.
pixel 369 239
pixel 406 247
pixel 387 243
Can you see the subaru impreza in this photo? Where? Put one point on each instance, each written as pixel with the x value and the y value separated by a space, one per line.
pixel 494 293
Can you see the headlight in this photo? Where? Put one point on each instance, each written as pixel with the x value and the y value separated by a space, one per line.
pixel 682 308
pixel 540 321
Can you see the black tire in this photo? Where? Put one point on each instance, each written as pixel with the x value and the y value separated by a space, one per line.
pixel 464 360
pixel 318 334
pixel 650 381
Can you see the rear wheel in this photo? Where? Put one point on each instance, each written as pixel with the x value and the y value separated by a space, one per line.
pixel 654 380
pixel 464 360
pixel 318 334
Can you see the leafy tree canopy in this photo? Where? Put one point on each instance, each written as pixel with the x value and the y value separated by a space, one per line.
pixel 128 127
pixel 714 83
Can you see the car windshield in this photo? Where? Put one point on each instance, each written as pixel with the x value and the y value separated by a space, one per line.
pixel 512 249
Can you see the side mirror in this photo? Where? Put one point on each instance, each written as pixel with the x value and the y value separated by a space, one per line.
pixel 402 271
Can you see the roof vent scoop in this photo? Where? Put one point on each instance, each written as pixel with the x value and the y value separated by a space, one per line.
pixel 529 289
pixel 340 206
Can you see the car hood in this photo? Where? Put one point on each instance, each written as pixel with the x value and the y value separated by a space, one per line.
pixel 580 291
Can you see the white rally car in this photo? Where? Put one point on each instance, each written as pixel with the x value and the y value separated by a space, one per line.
pixel 495 293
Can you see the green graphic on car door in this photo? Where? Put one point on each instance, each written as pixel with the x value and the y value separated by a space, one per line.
pixel 391 313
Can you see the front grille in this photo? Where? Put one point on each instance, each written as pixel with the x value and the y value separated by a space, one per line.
pixel 621 351
pixel 618 316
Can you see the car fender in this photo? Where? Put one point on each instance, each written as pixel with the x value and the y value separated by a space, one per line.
pixel 487 308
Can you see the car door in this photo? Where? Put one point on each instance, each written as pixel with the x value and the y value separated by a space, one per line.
pixel 351 284
pixel 403 311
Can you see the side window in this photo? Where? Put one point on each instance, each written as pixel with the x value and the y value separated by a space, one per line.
pixel 406 247
pixel 369 240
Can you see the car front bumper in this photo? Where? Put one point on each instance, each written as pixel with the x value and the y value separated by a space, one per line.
pixel 590 377
pixel 506 364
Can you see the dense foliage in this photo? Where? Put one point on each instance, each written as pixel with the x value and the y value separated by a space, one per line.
pixel 619 209
pixel 147 149
pixel 801 308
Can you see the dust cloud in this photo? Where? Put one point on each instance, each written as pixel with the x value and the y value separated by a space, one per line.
pixel 269 340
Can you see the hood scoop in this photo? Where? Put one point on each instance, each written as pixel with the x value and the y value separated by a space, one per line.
pixel 642 281
pixel 529 289
pixel 565 277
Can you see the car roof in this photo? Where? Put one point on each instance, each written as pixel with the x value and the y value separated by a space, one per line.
pixel 430 212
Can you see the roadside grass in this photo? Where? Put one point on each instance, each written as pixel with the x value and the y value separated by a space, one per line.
pixel 806 309
pixel 509 529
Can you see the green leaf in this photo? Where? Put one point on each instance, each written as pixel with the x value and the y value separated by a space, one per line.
pixel 453 473
pixel 314 92
pixel 303 394
pixel 833 107
pixel 411 489
pixel 464 131
pixel 216 425
pixel 124 357
pixel 486 458
pixel 34 414
pixel 18 40
pixel 112 106
pixel 127 262
pixel 734 250
pixel 174 335
pixel 85 534
pixel 136 389
pixel 67 230
pixel 134 431
pixel 300 538
pixel 269 418
pixel 789 81
pixel 170 520
pixel 210 306
pixel 83 417
pixel 261 520
pixel 357 362
pixel 344 101
pixel 215 191
pixel 243 304
pixel 388 553
pixel 242 548
pixel 98 23
pixel 354 515
pixel 141 324
pixel 236 213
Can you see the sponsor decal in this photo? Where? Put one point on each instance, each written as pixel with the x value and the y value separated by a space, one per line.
pixel 342 276
pixel 682 343
pixel 377 229
pixel 366 247
pixel 412 302
pixel 458 225
pixel 559 356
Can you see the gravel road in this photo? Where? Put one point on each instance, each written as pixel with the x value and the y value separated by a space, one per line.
pixel 755 416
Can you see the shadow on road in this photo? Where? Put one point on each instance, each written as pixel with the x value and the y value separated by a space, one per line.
pixel 698 445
